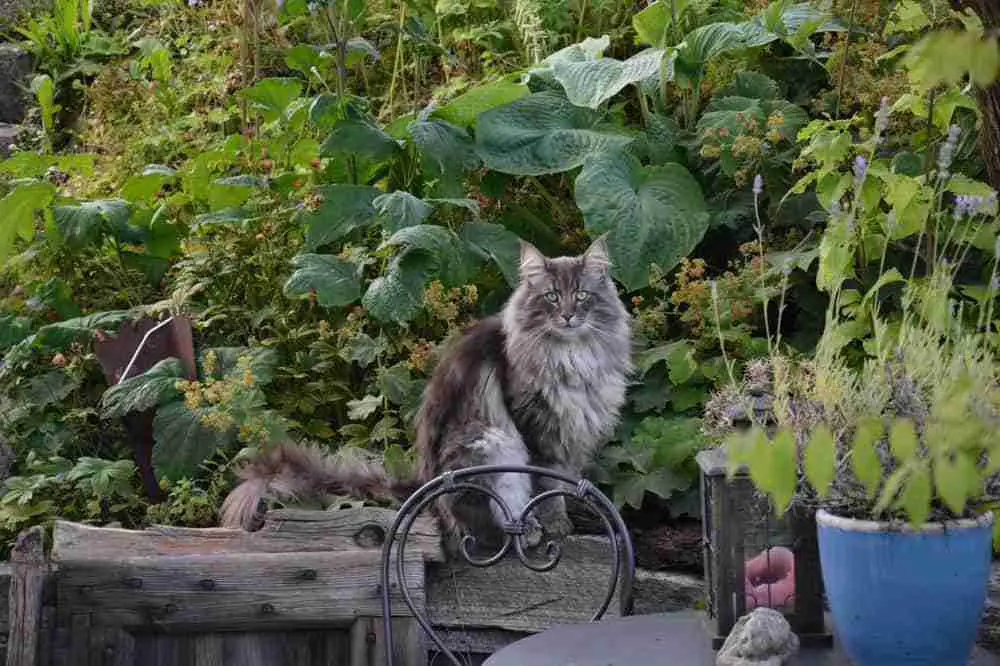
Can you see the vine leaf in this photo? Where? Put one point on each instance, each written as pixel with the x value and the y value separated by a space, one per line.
pixel 496 242
pixel 152 388
pixel 271 97
pixel 400 209
pixel 653 215
pixel 183 442
pixel 17 213
pixel 464 110
pixel 397 295
pixel 334 281
pixel 341 210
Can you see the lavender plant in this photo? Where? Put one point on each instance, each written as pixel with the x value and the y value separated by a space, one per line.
pixel 906 431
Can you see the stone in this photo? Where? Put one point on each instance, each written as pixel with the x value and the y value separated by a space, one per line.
pixel 15 68
pixel 762 637
pixel 8 137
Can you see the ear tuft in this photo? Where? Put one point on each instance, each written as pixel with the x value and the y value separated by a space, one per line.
pixel 532 261
pixel 596 256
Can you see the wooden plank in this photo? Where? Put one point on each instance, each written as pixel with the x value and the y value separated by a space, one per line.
pixel 29 572
pixel 368 642
pixel 233 592
pixel 288 530
pixel 523 600
pixel 208 650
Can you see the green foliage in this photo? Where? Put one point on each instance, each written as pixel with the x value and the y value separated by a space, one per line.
pixel 350 190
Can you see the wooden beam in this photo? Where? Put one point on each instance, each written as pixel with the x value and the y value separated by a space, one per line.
pixel 29 571
pixel 232 592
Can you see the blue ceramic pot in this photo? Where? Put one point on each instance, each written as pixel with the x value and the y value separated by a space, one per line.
pixel 905 597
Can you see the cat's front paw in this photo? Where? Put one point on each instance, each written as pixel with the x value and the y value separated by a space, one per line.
pixel 533 532
pixel 558 526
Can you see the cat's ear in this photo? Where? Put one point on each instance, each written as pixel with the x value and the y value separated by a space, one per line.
pixel 532 262
pixel 596 256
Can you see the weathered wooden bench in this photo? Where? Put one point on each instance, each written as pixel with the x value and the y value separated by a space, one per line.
pixel 302 591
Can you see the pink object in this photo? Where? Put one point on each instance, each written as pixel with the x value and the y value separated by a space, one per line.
pixel 770 579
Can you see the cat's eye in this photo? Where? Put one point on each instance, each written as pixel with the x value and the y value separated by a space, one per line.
pixel 551 296
pixel 582 295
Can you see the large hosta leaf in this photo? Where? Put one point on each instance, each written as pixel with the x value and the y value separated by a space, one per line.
pixel 183 442
pixel 590 83
pixel 17 213
pixel 654 215
pixel 341 209
pixel 543 133
pixel 397 295
pixel 335 282
pixel 152 388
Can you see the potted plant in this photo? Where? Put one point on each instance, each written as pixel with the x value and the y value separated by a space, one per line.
pixel 888 431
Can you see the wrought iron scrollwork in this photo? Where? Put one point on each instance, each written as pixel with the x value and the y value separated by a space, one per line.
pixel 515 530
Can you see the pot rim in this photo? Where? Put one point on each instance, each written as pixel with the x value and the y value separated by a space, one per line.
pixel 828 519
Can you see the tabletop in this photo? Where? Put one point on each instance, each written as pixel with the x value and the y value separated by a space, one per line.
pixel 669 639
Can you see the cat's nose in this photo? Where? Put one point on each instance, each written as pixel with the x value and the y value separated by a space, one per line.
pixel 567 317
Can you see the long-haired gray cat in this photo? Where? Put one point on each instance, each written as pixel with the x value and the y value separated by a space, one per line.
pixel 540 383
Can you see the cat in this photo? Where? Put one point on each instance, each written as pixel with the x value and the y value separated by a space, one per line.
pixel 540 383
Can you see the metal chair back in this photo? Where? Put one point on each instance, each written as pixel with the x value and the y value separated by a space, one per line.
pixel 462 481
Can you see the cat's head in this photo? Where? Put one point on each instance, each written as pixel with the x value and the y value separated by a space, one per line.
pixel 567 296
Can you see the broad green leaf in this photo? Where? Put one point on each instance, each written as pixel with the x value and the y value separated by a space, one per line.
pixel 496 242
pixel 144 187
pixel 361 409
pixel 915 497
pixel 891 276
pixel 590 48
pixel 400 209
pixel 450 256
pixel 270 97
pixel 464 110
pixel 543 133
pixel 784 469
pixel 646 359
pixel 652 23
pixel 17 213
pixel 590 83
pixel 821 459
pixel 183 442
pixel 956 479
pixel 446 153
pixel 156 386
pixel 399 293
pixel 333 281
pixel 360 138
pixel 363 349
pixel 49 388
pixel 304 57
pixel 903 439
pixel 86 222
pixel 399 387
pixel 753 85
pixel 229 192
pixel 709 41
pixel 13 329
pixel 653 215
pixel 864 459
pixel 340 210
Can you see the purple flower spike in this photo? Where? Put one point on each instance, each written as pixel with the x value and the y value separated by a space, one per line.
pixel 758 184
pixel 860 169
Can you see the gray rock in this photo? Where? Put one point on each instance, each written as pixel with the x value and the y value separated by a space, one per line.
pixel 15 68
pixel 762 637
pixel 8 136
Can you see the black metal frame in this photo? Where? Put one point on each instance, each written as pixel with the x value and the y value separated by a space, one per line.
pixel 513 533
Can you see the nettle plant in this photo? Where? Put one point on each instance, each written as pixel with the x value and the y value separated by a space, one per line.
pixel 895 414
